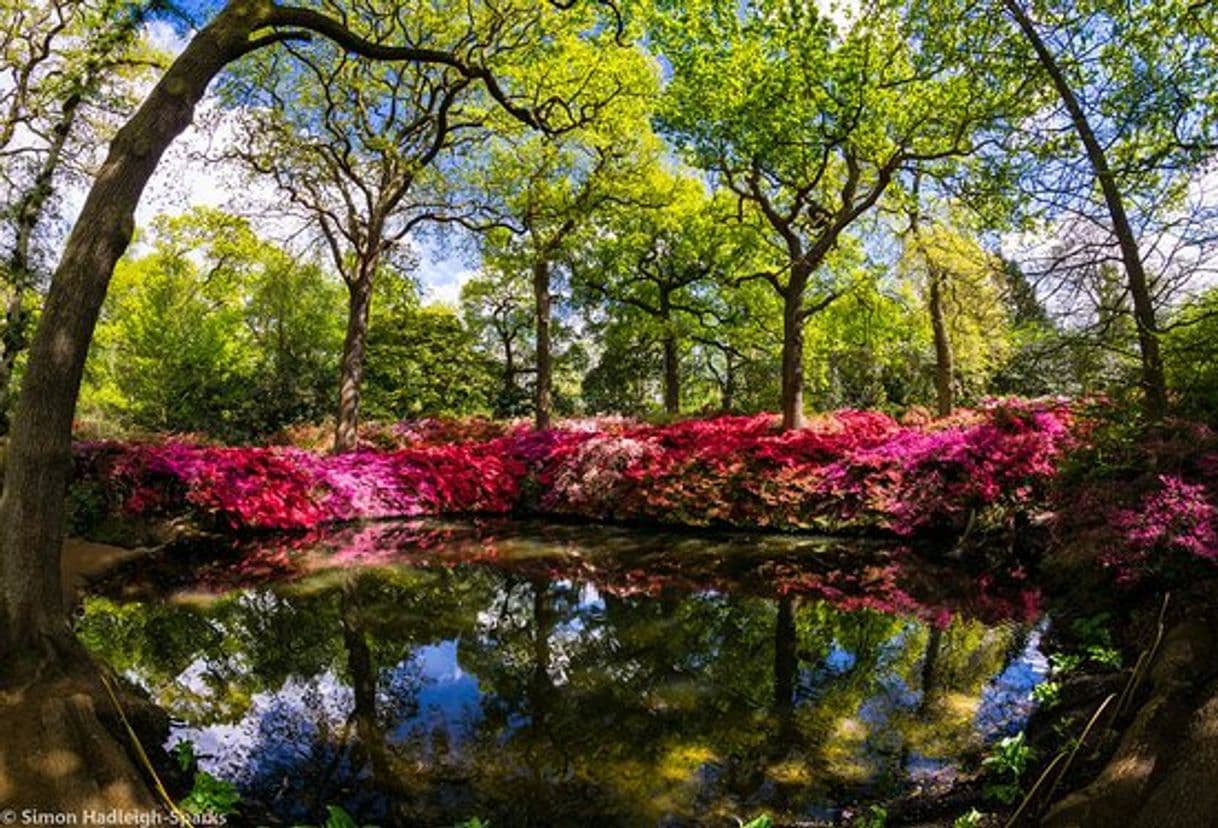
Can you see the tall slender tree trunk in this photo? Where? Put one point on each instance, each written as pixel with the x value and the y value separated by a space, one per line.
pixel 542 402
pixel 727 383
pixel 672 375
pixel 1154 382
pixel 39 459
pixel 944 361
pixel 351 371
pixel 792 360
pixel 29 212
pixel 672 357
pixel 507 394
pixel 541 687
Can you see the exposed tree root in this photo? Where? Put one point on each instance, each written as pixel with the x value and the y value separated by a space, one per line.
pixel 63 745
pixel 1163 771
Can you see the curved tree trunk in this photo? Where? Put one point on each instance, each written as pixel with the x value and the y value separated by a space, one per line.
pixel 792 361
pixel 39 463
pixel 351 371
pixel 944 361
pixel 1154 382
pixel 66 754
pixel 543 403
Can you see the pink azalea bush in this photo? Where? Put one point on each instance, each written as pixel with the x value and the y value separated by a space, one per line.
pixel 1143 503
pixel 847 470
pixel 1174 521
pixel 293 489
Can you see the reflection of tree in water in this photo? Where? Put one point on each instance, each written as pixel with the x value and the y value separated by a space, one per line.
pixel 417 695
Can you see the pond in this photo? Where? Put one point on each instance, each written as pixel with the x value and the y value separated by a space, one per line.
pixel 542 674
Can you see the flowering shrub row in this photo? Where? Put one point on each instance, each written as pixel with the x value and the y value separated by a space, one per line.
pixel 292 489
pixel 849 470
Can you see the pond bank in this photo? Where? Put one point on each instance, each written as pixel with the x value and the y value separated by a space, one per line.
pixel 1137 514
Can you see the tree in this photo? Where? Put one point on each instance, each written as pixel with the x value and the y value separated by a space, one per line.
pixel 663 264
pixel 1191 355
pixel 35 639
pixel 212 330
pixel 66 65
pixel 422 361
pixel 497 313
pixel 349 144
pixel 962 287
pixel 871 345
pixel 543 190
pixel 808 121
pixel 169 352
pixel 1134 85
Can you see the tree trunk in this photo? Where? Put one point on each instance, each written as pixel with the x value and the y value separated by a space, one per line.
pixel 508 393
pixel 784 655
pixel 541 687
pixel 944 362
pixel 543 404
pixel 351 371
pixel 728 389
pixel 672 375
pixel 1154 383
pixel 39 459
pixel 361 667
pixel 29 212
pixel 792 360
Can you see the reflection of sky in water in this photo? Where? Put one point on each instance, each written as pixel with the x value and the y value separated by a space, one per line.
pixel 297 746
pixel 1006 702
pixel 447 699
pixel 839 660
pixel 286 744
pixel 1004 706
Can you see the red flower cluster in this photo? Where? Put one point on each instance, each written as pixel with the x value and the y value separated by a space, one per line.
pixel 292 489
pixel 849 470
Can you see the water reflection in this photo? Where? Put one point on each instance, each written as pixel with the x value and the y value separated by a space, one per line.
pixel 532 675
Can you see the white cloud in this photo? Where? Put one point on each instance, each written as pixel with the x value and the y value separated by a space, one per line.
pixel 443 276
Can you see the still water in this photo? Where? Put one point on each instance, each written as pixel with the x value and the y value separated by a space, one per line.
pixel 534 674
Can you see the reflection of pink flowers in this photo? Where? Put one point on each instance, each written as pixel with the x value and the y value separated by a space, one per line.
pixel 845 470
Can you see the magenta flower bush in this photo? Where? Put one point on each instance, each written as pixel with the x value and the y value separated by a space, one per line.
pixel 292 489
pixel 1171 524
pixel 846 471
pixel 850 470
pixel 1142 503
